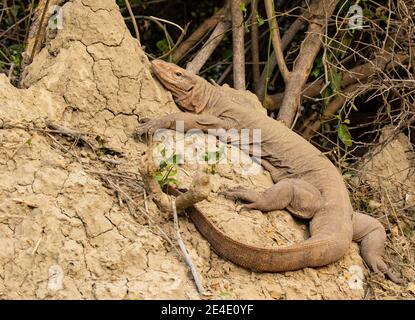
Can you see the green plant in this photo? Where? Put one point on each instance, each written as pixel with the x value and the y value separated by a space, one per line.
pixel 212 158
pixel 242 6
pixel 343 131
pixel 165 175
pixel 366 207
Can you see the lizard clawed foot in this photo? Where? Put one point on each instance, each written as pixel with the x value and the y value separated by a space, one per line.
pixel 247 207
pixel 241 193
pixel 149 127
pixel 232 193
pixel 379 267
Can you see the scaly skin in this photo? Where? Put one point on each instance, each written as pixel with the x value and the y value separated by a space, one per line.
pixel 310 188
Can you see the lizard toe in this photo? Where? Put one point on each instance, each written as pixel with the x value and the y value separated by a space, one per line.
pixel 232 193
pixel 246 207
pixel 379 266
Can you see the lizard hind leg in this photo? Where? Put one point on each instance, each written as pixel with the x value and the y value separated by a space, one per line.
pixel 372 236
pixel 299 197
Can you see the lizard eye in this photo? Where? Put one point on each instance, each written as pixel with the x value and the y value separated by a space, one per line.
pixel 179 74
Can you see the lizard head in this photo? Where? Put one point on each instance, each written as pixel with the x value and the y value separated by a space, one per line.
pixel 179 81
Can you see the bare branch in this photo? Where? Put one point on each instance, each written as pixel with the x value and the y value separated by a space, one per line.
pixel 184 251
pixel 40 34
pixel 238 44
pixel 276 39
pixel 215 38
pixel 255 44
pixel 199 191
pixel 321 10
pixel 384 61
pixel 37 31
pixel 285 41
pixel 130 11
pixel 203 55
pixel 198 34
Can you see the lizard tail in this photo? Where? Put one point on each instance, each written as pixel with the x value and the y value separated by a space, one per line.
pixel 313 252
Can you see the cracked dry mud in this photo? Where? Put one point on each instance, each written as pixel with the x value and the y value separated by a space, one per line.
pixel 65 234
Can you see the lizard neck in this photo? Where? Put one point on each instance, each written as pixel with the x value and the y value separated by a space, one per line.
pixel 210 95
pixel 202 98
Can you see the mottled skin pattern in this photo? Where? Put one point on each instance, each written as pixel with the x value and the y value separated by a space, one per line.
pixel 310 187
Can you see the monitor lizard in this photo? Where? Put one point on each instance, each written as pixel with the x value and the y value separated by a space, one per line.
pixel 311 187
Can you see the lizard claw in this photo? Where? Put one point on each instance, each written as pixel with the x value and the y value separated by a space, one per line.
pixel 379 267
pixel 247 207
pixel 232 193
pixel 243 194
pixel 149 127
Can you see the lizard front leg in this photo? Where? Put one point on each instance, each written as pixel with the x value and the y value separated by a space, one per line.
pixel 202 122
pixel 372 236
pixel 242 194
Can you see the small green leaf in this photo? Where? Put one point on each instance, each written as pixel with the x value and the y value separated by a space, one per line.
pixel 163 164
pixel 367 207
pixel 354 106
pixel 163 152
pixel 214 156
pixel 344 135
pixel 369 14
pixel 101 141
pixel 163 45
pixel 29 142
pixel 213 169
pixel 173 171
pixel 225 294
pixel 158 176
pixel 259 19
pixel 346 121
pixel 346 41
pixel 335 80
pixel 318 67
pixel 348 174
pixel 227 54
pixel 176 158
pixel 171 181
pixel 326 93
pixel 242 6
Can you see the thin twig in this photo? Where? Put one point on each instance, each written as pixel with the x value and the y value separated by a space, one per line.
pixel 203 55
pixel 276 39
pixel 321 10
pixel 382 62
pixel 39 31
pixel 285 41
pixel 10 74
pixel 183 249
pixel 255 44
pixel 238 44
pixel 134 22
pixel 198 34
